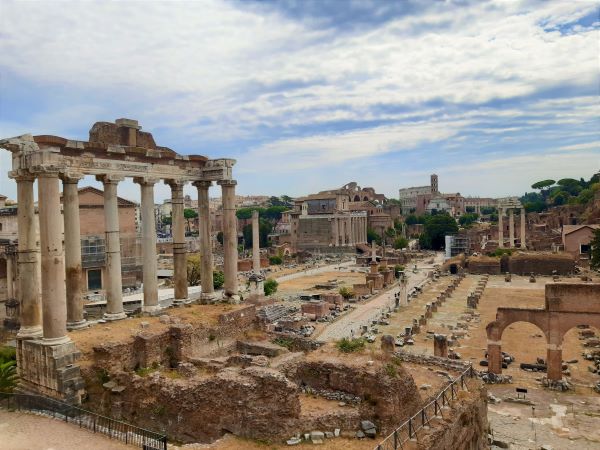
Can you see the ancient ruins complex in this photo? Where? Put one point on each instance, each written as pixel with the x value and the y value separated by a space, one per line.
pixel 567 305
pixel 46 355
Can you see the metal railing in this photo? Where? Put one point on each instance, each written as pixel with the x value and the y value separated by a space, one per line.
pixel 434 409
pixel 114 429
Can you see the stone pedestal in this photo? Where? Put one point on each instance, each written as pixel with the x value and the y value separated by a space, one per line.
pixel 387 343
pixel 50 370
pixel 494 351
pixel 440 346
pixel 554 363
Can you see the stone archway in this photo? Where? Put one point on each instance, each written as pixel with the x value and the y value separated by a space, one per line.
pixel 567 305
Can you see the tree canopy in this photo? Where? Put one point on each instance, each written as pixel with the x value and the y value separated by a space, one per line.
pixel 542 184
pixel 435 231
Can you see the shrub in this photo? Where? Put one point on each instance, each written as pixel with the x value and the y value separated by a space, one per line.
pixel 7 354
pixel 346 293
pixel 400 243
pixel 283 342
pixel 351 345
pixel 193 270
pixel 8 376
pixel 270 286
pixel 218 279
pixel 275 260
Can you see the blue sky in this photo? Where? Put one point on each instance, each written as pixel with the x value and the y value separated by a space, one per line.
pixel 309 95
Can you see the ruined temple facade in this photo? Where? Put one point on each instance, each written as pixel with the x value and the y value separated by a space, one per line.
pixel 337 218
pixel 46 356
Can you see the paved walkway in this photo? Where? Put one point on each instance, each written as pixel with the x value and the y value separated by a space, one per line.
pixel 364 313
pixel 25 431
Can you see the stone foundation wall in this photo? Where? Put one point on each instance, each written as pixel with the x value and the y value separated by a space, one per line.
pixel 388 400
pixel 466 427
pixel 178 342
pixel 542 264
pixel 483 265
pixel 50 370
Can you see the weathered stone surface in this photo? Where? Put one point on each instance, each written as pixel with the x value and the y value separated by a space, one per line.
pixel 260 348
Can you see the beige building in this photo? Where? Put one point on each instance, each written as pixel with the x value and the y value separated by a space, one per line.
pixel 576 239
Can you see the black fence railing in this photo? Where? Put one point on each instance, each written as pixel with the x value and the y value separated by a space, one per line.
pixel 114 429
pixel 434 409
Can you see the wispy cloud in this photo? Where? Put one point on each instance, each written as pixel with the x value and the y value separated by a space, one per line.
pixel 297 86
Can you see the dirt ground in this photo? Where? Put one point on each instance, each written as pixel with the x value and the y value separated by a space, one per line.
pixel 123 329
pixel 307 284
pixel 518 293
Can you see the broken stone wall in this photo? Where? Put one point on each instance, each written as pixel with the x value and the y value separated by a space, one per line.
pixel 389 394
pixel 465 428
pixel 541 263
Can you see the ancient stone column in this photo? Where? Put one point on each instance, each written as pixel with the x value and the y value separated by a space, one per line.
pixel 9 277
pixel 373 252
pixel 554 362
pixel 494 351
pixel 179 247
pixel 230 253
pixel 255 243
pixel 28 261
pixel 206 256
pixel 523 242
pixel 334 232
pixel 113 283
pixel 440 345
pixel 54 305
pixel 74 274
pixel 500 228
pixel 511 228
pixel 149 260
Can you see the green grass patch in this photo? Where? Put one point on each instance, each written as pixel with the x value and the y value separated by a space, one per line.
pixel 351 345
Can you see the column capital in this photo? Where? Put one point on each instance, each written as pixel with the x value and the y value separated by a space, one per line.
pixel 175 185
pixel 21 175
pixel 71 177
pixel 202 184
pixel 109 179
pixel 47 171
pixel 148 181
pixel 227 182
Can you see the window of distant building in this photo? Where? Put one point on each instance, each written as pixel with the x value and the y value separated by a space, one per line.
pixel 94 277
pixel 584 249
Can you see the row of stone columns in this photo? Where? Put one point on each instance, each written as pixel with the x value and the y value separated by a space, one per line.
pixel 60 306
pixel 349 230
pixel 511 227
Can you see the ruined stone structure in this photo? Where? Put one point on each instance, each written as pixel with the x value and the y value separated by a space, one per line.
pixel 567 305
pixel 509 205
pixel 46 355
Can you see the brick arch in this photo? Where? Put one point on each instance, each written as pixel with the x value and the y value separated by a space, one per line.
pixel 507 316
pixel 568 323
pixel 566 306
